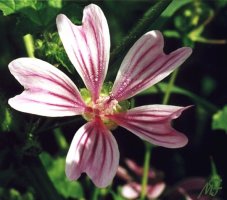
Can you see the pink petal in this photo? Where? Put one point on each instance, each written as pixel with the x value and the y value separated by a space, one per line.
pixel 132 165
pixel 153 124
pixel 123 174
pixel 48 91
pixel 146 64
pixel 93 150
pixel 154 191
pixel 138 170
pixel 192 183
pixel 87 46
pixel 131 190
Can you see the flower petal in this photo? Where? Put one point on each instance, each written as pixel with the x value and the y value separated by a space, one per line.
pixel 154 191
pixel 87 46
pixel 152 123
pixel 146 64
pixel 93 150
pixel 48 91
pixel 132 165
pixel 131 190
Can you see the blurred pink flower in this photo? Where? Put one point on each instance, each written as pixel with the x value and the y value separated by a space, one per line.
pixel 190 189
pixel 49 92
pixel 132 189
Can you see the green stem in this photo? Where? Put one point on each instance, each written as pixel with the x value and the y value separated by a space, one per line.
pixel 146 168
pixel 149 18
pixel 96 193
pixel 209 41
pixel 170 86
pixel 60 138
pixel 29 45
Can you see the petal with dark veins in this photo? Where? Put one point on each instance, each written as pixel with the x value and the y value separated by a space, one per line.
pixel 87 46
pixel 146 64
pixel 48 91
pixel 153 124
pixel 94 151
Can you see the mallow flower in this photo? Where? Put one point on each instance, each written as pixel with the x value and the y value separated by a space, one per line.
pixel 50 92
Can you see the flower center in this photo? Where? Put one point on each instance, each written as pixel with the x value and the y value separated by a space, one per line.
pixel 103 107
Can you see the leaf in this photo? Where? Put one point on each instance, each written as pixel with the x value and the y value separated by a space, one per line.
pixel 56 171
pixel 220 120
pixel 12 6
pixel 51 49
pixel 39 12
pixel 174 6
pixel 14 194
pixel 7 7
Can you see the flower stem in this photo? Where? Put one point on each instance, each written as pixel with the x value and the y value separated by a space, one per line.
pixel 148 146
pixel 29 45
pixel 170 86
pixel 146 168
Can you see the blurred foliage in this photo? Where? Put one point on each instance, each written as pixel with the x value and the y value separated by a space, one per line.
pixel 200 24
pixel 5 116
pixel 14 194
pixel 56 170
pixel 190 22
pixel 220 120
pixel 51 48
pixel 32 9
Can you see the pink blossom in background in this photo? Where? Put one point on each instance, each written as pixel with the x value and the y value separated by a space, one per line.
pixel 132 189
pixel 190 189
pixel 49 92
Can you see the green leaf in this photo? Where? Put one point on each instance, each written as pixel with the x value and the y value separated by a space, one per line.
pixel 39 12
pixel 56 171
pixel 220 120
pixel 14 194
pixel 12 6
pixel 50 48
pixel 7 6
pixel 173 7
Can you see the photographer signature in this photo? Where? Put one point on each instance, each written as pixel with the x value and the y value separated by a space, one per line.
pixel 212 187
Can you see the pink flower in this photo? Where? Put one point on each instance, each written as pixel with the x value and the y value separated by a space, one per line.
pixel 132 189
pixel 49 92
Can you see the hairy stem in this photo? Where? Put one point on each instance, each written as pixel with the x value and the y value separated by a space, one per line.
pixel 140 28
